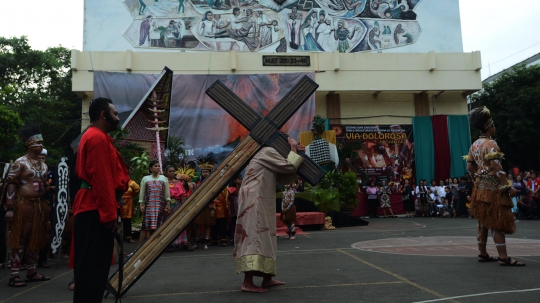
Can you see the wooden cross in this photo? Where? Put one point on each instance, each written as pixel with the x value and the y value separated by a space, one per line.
pixel 263 132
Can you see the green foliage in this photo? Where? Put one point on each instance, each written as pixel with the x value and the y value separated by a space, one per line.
pixel 128 149
pixel 325 197
pixel 336 185
pixel 175 145
pixel 37 86
pixel 9 123
pixel 513 102
pixel 139 169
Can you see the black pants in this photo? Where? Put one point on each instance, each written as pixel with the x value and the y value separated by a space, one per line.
pixel 221 226
pixel 232 227
pixel 373 204
pixel 93 254
pixel 126 224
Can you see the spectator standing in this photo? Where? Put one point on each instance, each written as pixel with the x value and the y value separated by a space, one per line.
pixel 407 196
pixel 373 202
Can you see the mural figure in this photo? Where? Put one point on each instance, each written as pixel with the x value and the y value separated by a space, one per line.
pixel 145 30
pixel 323 31
pixel 265 28
pixel 342 34
pixel 252 25
pixel 142 7
pixel 310 44
pixel 246 33
pixel 348 5
pixel 293 30
pixel 173 34
pixel 389 9
pixel 181 6
pixel 207 28
pixel 375 32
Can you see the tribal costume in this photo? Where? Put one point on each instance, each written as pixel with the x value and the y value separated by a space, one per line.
pixel 288 212
pixel 490 200
pixel 26 208
pixel 384 198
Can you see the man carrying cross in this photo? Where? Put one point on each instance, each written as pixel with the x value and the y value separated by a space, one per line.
pixel 255 242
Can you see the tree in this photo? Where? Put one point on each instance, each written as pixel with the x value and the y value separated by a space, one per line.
pixel 513 102
pixel 37 86
pixel 9 123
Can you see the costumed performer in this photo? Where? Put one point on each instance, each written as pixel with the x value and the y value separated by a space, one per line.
pixel 288 211
pixel 255 244
pixel 490 202
pixel 207 218
pixel 234 189
pixel 103 173
pixel 26 209
pixel 154 200
pixel 319 150
pixel 185 175
pixel 127 215
pixel 384 199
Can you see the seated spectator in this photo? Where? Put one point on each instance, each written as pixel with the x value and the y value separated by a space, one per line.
pixel 446 208
pixel 527 207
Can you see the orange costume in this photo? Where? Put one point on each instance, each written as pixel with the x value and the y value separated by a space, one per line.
pixel 133 190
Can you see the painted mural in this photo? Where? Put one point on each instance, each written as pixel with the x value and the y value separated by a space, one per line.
pixel 273 25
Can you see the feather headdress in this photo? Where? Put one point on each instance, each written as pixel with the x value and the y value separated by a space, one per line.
pixel 206 162
pixel 480 118
pixel 186 173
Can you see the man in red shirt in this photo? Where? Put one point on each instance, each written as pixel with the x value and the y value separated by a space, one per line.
pixel 534 186
pixel 102 171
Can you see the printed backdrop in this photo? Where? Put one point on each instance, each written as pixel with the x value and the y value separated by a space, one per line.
pixel 383 152
pixel 204 125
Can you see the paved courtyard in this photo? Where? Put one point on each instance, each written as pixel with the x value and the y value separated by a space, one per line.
pixel 391 260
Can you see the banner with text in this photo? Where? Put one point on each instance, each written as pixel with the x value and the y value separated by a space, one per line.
pixel 378 152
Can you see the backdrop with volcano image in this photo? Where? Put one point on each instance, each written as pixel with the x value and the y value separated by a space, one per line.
pixel 203 124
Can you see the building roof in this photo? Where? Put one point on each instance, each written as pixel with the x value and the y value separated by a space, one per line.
pixel 511 68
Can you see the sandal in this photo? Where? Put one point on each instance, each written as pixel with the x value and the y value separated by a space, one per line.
pixel 508 262
pixel 16 282
pixel 486 258
pixel 30 278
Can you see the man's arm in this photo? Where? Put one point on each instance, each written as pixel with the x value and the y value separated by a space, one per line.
pixel 99 171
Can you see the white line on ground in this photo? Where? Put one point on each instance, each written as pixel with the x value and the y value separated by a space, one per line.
pixel 481 294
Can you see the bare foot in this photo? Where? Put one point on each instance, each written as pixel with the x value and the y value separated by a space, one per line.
pixel 272 282
pixel 253 288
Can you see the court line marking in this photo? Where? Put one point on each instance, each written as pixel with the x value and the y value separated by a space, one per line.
pixel 395 275
pixel 37 286
pixel 300 251
pixel 277 288
pixel 480 294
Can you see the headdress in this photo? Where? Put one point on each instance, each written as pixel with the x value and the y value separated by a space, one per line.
pixel 480 118
pixel 30 134
pixel 319 125
pixel 206 162
pixel 186 173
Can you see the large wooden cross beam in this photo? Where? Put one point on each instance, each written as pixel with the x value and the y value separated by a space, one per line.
pixel 263 132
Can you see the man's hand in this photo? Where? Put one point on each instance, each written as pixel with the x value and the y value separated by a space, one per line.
pixel 300 147
pixel 141 207
pixel 111 225
pixel 293 144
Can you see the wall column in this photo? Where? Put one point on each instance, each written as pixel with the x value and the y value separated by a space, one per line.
pixel 333 108
pixel 421 104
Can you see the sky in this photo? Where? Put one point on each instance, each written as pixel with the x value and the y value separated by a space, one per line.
pixel 504 31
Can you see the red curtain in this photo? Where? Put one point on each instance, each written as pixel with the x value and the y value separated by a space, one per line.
pixel 441 147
